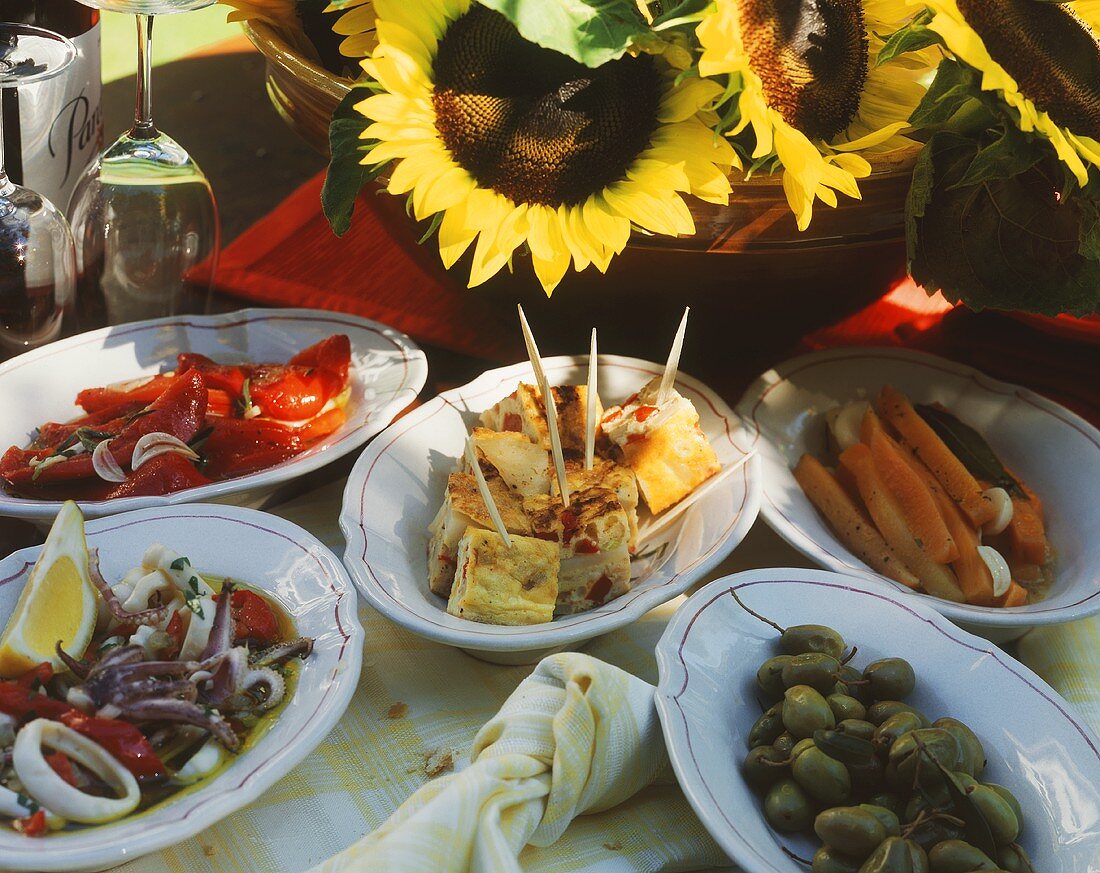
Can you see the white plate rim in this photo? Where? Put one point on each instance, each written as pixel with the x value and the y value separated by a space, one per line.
pixel 1028 616
pixel 229 798
pixel 673 679
pixel 549 635
pixel 415 377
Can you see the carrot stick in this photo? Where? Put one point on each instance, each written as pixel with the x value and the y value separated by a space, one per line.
pixel 915 500
pixel 935 578
pixel 1016 595
pixel 1025 531
pixel 973 575
pixel 850 522
pixel 926 445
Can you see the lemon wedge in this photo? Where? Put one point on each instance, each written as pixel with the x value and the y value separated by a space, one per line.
pixel 58 602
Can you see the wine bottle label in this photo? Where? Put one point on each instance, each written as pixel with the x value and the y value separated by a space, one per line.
pixel 61 125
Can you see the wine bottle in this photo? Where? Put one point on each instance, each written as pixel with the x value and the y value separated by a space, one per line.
pixel 54 129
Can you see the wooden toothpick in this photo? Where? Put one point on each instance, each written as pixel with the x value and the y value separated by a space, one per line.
pixel 673 363
pixel 590 412
pixel 548 403
pixel 483 487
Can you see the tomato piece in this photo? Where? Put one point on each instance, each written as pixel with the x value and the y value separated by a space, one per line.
pixel 237 446
pixel 96 399
pixel 33 825
pixel 175 630
pixel 62 766
pixel 253 618
pixel 37 676
pixel 162 474
pixel 122 740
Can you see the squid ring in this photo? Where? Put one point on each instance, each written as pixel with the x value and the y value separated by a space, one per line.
pixel 51 791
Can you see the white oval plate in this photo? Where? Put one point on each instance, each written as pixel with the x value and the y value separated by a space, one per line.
pixel 397 485
pixel 264 552
pixel 387 372
pixel 1055 452
pixel 707 660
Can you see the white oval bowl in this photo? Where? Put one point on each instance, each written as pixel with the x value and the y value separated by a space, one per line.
pixel 1056 452
pixel 264 552
pixel 397 486
pixel 387 372
pixel 706 698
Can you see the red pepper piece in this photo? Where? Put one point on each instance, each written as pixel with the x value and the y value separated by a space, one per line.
pixel 96 399
pixel 253 618
pixel 237 446
pixel 586 547
pixel 109 420
pixel 33 825
pixel 321 426
pixel 224 377
pixel 644 412
pixel 175 630
pixel 180 411
pixel 163 474
pixel 25 705
pixel 122 740
pixel 61 766
pixel 512 422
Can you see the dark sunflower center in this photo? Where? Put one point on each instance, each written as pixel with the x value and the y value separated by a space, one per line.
pixel 1050 53
pixel 533 124
pixel 811 56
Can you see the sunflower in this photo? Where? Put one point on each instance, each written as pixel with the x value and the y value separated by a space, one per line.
pixel 1042 58
pixel 804 78
pixel 281 14
pixel 357 25
pixel 503 143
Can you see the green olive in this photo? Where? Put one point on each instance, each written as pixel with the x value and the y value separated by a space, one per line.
pixel 893 727
pixel 769 677
pixel 854 684
pixel 890 678
pixel 896 855
pixel 815 669
pixel 764 766
pixel 823 778
pixel 828 860
pixel 805 711
pixel 1014 859
pixel 973 759
pixel 957 856
pixel 785 742
pixel 997 812
pixel 918 756
pixel 849 830
pixel 846 707
pixel 878 712
pixel 803 638
pixel 1010 799
pixel 787 808
pixel 800 747
pixel 767 727
pixel 932 831
pixel 886 817
pixel 857 727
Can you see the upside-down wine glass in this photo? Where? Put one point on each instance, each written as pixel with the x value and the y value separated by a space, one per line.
pixel 36 249
pixel 143 215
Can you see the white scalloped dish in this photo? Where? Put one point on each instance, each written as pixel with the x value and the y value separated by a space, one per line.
pixel 386 374
pixel 270 555
pixel 397 486
pixel 1056 452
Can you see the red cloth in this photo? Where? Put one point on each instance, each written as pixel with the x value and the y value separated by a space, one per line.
pixel 377 270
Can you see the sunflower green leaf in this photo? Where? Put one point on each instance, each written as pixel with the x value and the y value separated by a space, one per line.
pixel 592 32
pixel 346 174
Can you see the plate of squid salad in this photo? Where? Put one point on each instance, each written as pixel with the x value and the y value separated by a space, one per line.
pixel 491 520
pixel 160 669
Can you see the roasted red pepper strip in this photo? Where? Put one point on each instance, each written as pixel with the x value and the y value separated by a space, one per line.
pixel 237 446
pixel 24 705
pixel 253 618
pixel 163 474
pixel 33 825
pixel 61 766
pixel 95 399
pixel 122 740
pixel 223 377
pixel 180 411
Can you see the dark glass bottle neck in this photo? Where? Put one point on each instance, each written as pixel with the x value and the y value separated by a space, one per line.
pixel 67 17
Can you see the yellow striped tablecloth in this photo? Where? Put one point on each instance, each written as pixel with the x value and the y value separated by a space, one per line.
pixel 419 705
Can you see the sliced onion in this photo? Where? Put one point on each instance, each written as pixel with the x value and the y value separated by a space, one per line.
pixel 252 412
pixel 159 443
pixel 845 422
pixel 51 791
pixel 105 465
pixel 998 569
pixel 1002 503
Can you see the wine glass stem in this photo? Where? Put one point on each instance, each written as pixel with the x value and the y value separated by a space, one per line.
pixel 6 186
pixel 143 111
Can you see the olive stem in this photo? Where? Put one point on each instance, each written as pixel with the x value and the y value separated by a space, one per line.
pixel 791 854
pixel 757 615
pixel 849 656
